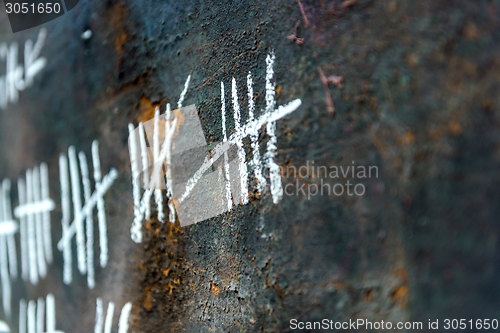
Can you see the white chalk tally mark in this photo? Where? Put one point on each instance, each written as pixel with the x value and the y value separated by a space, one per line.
pixel 18 77
pixel 274 175
pixel 227 176
pixel 186 139
pixel 105 326
pixel 33 212
pixel 37 314
pixel 162 157
pixel 254 137
pixel 84 232
pixel 239 144
pixel 8 259
pixel 4 328
pixel 251 128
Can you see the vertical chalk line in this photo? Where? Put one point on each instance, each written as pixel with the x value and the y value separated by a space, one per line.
pixel 254 137
pixel 23 232
pixel 22 316
pixel 170 126
pixel 157 167
pixel 109 317
pixel 226 157
pixel 47 237
pixel 7 216
pixel 239 144
pixel 32 317
pixel 6 288
pixel 77 206
pixel 40 250
pixel 275 177
pixel 98 316
pixel 89 226
pixel 124 316
pixel 101 213
pixel 66 213
pixel 33 269
pixel 146 199
pixel 136 228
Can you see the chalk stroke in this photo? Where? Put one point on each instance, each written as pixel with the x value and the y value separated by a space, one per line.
pixel 192 169
pixel 4 328
pixel 227 175
pixel 18 77
pixel 33 315
pixel 162 157
pixel 251 128
pixel 101 324
pixel 239 143
pixel 84 232
pixel 256 163
pixel 8 259
pixel 35 230
pixel 274 176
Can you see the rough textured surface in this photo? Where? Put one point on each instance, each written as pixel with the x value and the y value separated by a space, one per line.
pixel 420 102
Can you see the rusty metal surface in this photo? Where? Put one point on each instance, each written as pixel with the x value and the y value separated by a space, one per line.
pixel 419 101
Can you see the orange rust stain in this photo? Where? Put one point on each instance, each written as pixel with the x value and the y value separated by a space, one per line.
pixel 166 271
pixel 120 42
pixel 408 138
pixel 368 295
pixel 214 289
pixel 454 127
pixel 117 20
pixel 471 32
pixel 117 16
pixel 180 117
pixel 280 292
pixel 400 296
pixel 146 109
pixel 392 6
pixel 147 304
pixel 278 89
pixel 412 59
pixel 171 288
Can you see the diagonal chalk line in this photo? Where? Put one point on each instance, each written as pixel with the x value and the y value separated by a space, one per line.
pixel 249 128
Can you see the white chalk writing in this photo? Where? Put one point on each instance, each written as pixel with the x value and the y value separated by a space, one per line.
pixel 101 324
pixel 34 214
pixel 8 260
pixel 84 242
pixel 18 77
pixel 33 315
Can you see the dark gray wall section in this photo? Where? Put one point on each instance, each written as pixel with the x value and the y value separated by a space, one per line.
pixel 420 102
